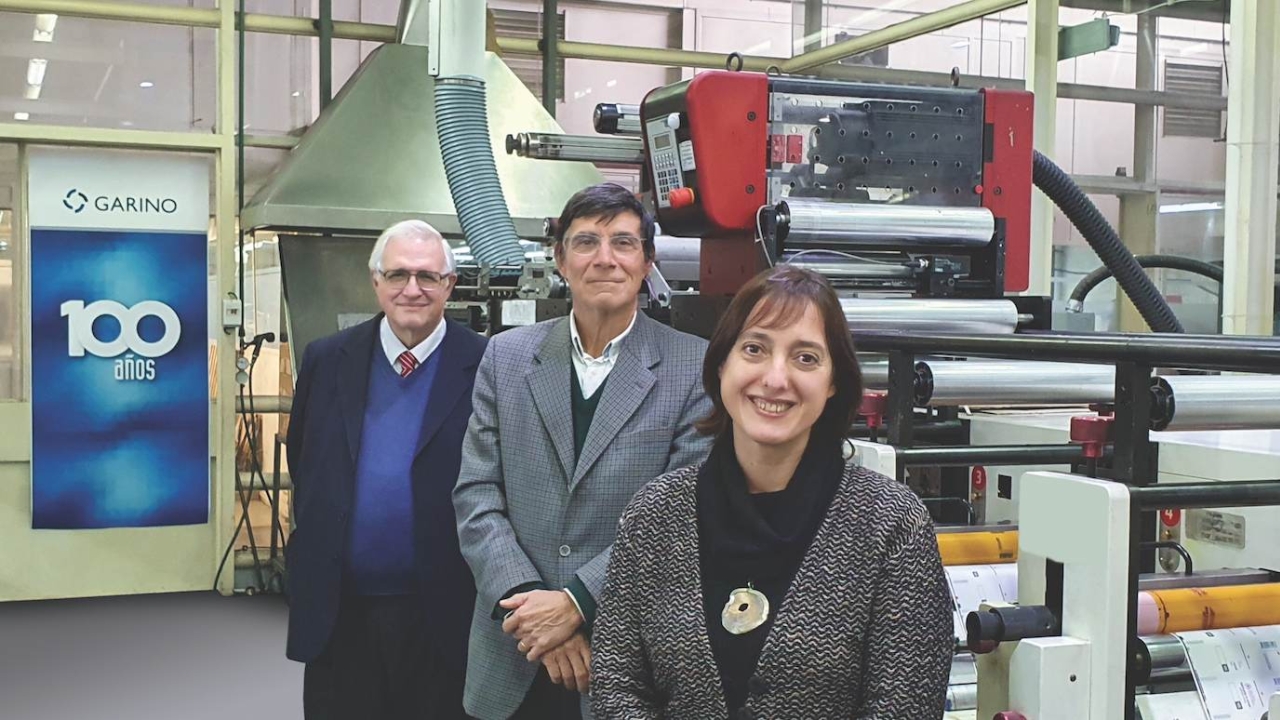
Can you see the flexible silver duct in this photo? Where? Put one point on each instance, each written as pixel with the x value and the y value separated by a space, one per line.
pixel 462 120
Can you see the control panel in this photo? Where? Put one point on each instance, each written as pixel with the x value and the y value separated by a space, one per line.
pixel 664 158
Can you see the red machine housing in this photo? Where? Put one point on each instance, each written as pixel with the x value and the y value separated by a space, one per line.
pixel 724 145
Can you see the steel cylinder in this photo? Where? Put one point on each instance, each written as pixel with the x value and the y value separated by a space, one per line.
pixel 914 315
pixel 1210 402
pixel 804 221
pixel 1012 382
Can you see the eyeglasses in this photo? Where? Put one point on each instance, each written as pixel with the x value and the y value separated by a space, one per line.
pixel 588 244
pixel 427 280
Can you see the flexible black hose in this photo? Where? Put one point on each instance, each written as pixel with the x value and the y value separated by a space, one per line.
pixel 1167 262
pixel 1082 213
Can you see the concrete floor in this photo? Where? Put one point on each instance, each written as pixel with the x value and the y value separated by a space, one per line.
pixel 190 656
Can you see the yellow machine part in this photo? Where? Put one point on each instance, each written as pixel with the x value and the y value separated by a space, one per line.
pixel 1216 608
pixel 978 548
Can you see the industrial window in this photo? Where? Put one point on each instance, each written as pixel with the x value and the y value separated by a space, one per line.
pixel 1193 80
pixel 874 58
pixel 528 25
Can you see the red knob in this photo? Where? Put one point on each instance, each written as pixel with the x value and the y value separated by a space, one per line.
pixel 1092 431
pixel 1009 715
pixel 873 406
pixel 680 197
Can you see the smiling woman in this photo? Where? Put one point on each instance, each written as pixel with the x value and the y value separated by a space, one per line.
pixel 773 580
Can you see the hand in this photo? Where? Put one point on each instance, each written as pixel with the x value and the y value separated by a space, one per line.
pixel 541 620
pixel 570 664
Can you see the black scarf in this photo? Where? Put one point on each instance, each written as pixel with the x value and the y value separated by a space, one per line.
pixel 760 539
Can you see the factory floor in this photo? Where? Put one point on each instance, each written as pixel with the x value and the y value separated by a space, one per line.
pixel 190 656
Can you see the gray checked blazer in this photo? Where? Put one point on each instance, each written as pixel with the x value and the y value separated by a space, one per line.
pixel 526 512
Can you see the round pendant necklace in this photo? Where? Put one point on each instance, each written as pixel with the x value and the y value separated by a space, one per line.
pixel 746 610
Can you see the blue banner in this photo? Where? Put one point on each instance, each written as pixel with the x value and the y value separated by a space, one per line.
pixel 120 380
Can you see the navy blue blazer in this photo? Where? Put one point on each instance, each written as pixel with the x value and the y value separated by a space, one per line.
pixel 323 446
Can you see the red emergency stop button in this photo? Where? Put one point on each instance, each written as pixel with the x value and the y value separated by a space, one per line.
pixel 680 197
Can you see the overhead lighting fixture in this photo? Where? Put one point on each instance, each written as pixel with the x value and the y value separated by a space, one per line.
pixel 1190 207
pixel 35 71
pixel 146 84
pixel 21 116
pixel 32 93
pixel 45 23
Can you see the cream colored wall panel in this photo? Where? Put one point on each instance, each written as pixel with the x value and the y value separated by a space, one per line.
pixel 15 432
pixel 47 564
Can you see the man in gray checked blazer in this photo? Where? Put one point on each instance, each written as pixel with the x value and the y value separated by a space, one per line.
pixel 571 417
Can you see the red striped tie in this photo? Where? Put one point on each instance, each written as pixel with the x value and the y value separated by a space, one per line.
pixel 407 363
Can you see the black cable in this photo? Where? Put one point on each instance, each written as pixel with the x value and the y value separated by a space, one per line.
pixel 1167 262
pixel 1082 213
pixel 255 470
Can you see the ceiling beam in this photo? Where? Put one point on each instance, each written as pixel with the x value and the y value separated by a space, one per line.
pixel 1203 10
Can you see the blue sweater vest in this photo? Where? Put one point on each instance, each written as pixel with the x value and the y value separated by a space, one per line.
pixel 380 557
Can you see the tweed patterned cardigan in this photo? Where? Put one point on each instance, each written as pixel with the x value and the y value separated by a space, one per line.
pixel 864 632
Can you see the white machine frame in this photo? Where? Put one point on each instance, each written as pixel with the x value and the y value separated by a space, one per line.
pixel 1080 675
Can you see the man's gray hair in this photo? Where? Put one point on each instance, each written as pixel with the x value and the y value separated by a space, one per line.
pixel 415 229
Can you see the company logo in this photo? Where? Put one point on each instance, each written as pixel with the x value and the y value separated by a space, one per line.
pixel 75 201
pixel 81 337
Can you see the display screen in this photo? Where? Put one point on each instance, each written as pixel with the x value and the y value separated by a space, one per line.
pixel 662 142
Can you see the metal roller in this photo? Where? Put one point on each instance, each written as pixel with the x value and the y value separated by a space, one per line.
pixel 584 148
pixel 875 374
pixel 962 697
pixel 1165 651
pixel 964 669
pixel 1164 661
pixel 837 268
pixel 617 119
pixel 823 224
pixel 1207 402
pixel 979 317
pixel 680 259
pixel 1012 382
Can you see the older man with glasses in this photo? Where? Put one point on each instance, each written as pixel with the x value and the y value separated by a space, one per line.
pixel 572 416
pixel 379 593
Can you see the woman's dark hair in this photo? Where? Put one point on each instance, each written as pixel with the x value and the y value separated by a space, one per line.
pixel 605 201
pixel 774 298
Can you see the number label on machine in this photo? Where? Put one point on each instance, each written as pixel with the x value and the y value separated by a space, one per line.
pixel 664 160
pixel 1215 527
pixel 1171 517
pixel 978 478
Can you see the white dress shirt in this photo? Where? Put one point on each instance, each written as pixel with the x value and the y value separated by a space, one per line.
pixel 592 371
pixel 392 346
